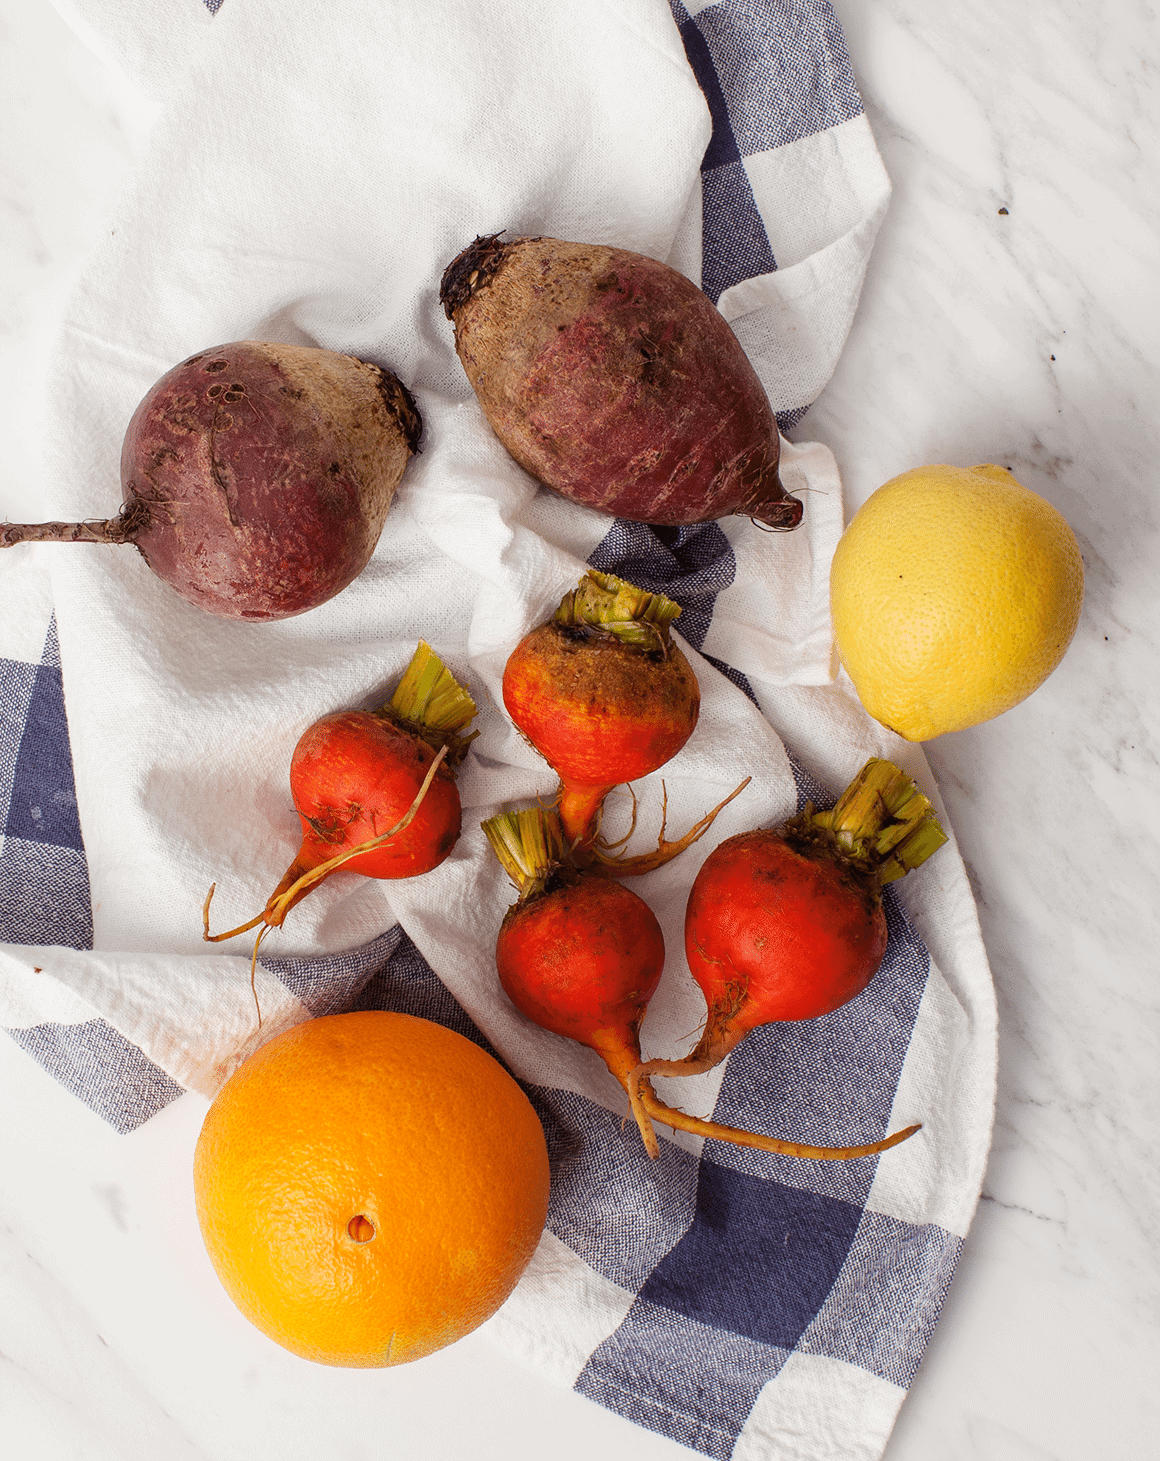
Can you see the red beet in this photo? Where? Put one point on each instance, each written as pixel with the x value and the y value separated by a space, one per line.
pixel 602 692
pixel 788 925
pixel 256 477
pixel 375 790
pixel 581 955
pixel 615 381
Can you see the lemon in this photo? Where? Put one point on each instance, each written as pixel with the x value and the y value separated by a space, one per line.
pixel 954 593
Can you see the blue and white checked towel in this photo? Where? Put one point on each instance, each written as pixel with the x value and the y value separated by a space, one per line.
pixel 311 170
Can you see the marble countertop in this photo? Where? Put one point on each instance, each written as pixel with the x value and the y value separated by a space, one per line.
pixel 1010 314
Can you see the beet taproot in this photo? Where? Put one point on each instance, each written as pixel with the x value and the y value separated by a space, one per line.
pixel 615 381
pixel 256 477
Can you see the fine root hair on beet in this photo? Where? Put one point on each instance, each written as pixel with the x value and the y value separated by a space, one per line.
pixel 605 860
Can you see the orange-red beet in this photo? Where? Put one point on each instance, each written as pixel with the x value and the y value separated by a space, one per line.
pixel 788 924
pixel 381 781
pixel 353 775
pixel 583 961
pixel 771 934
pixel 599 711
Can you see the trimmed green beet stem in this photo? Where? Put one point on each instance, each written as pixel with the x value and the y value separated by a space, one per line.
pixel 429 695
pixel 881 824
pixel 632 615
pixel 528 845
pixel 431 704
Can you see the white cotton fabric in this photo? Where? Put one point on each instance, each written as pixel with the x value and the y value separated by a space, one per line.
pixel 312 170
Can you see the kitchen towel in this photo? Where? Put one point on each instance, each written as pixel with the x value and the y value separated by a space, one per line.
pixel 310 172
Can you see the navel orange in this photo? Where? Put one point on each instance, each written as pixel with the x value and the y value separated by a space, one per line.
pixel 370 1187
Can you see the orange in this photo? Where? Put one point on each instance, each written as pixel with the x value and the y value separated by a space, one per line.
pixel 370 1187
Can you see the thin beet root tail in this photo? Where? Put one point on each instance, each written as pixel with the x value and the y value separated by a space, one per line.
pixel 768 502
pixel 623 866
pixel 782 514
pixel 667 1115
pixel 718 1039
pixel 217 938
pixel 272 915
pixel 622 1057
pixel 120 529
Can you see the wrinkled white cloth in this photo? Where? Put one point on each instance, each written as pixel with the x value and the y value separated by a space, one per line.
pixel 312 170
pixel 309 177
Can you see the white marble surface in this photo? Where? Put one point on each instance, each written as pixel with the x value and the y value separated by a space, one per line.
pixel 1028 337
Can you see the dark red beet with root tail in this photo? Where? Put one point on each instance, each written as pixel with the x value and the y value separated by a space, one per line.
pixel 256 477
pixel 615 381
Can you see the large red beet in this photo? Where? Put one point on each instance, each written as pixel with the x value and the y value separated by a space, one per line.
pixel 615 381
pixel 256 477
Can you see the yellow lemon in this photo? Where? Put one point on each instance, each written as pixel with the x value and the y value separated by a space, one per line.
pixel 954 593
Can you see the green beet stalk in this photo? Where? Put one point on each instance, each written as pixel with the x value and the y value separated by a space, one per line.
pixel 632 615
pixel 529 845
pixel 431 703
pixel 881 824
